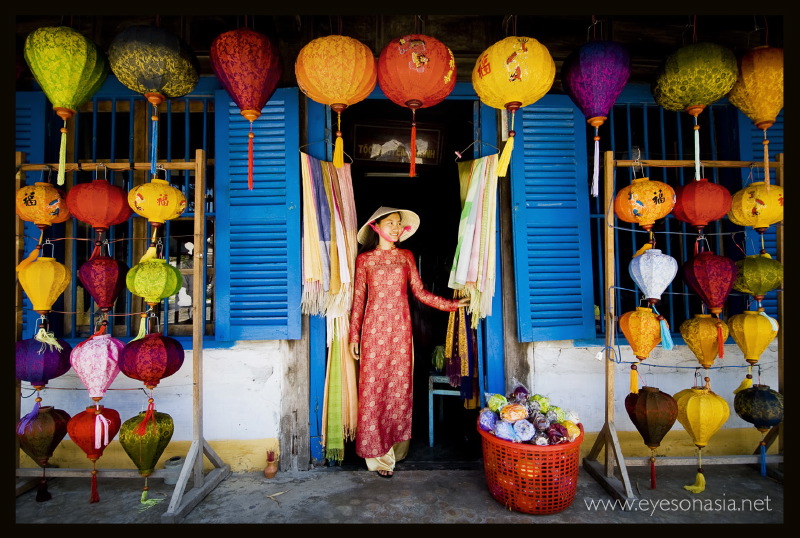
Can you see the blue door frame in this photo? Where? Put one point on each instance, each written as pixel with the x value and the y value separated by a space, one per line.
pixel 491 366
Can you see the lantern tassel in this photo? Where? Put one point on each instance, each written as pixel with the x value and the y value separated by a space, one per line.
pixel 141 429
pixel 338 146
pixel 95 495
pixel 412 152
pixel 696 150
pixel 154 142
pixel 699 480
pixel 596 173
pixel 142 328
pixel 747 382
pixel 250 158
pixel 27 419
pixel 505 157
pixel 62 155
pixel 42 495
pixel 773 323
pixel 720 339
pixel 666 337
pixel 634 380
pixel 30 258
pixel 652 470
pixel 48 338
pixel 145 502
pixel 762 449
pixel 647 246
pixel 766 161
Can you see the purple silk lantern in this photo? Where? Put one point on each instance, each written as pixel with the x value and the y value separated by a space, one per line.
pixel 593 76
pixel 152 358
pixel 96 362
pixel 38 362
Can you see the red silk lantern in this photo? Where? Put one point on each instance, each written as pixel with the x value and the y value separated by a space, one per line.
pixel 653 412
pixel 700 202
pixel 99 204
pixel 247 64
pixel 39 433
pixel 104 279
pixel 710 276
pixel 152 358
pixel 92 430
pixel 416 71
pixel 38 362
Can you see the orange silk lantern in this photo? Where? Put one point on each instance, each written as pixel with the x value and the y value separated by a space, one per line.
pixel 416 71
pixel 700 202
pixel 644 201
pixel 42 204
pixel 99 203
pixel 642 329
pixel 336 71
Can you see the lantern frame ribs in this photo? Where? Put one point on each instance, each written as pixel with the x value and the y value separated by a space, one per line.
pixel 612 473
pixel 181 501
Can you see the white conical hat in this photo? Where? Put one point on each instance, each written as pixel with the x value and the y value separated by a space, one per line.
pixel 408 218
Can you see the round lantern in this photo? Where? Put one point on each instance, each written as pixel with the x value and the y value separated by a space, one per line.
pixel 38 363
pixel 157 201
pixel 700 202
pixel 702 413
pixel 758 206
pixel 416 71
pixel 511 74
pixel 653 412
pixel 99 204
pixel 336 71
pixel 710 276
pixel 95 360
pixel 44 280
pixel 70 68
pixel 644 201
pixel 103 277
pixel 593 76
pixel 39 434
pixel 42 204
pixel 152 358
pixel 758 275
pixel 653 271
pixel 154 280
pixel 763 408
pixel 752 331
pixel 758 91
pixel 248 65
pixel 92 430
pixel 705 337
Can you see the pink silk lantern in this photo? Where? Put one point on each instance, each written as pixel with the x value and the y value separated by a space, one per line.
pixel 151 358
pixel 93 430
pixel 95 360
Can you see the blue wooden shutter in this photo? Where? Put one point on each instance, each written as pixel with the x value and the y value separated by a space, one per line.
pixel 258 264
pixel 31 110
pixel 752 149
pixel 550 216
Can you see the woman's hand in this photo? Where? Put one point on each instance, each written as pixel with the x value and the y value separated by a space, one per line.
pixel 464 301
pixel 354 351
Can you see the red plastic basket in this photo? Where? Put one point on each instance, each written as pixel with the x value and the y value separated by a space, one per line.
pixel 531 478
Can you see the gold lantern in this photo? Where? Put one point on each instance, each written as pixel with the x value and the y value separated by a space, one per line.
pixel 642 329
pixel 157 201
pixel 701 334
pixel 644 201
pixel 757 205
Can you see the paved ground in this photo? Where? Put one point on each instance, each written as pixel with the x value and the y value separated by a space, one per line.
pixel 735 494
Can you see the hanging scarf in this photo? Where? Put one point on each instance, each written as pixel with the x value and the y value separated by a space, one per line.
pixel 312 300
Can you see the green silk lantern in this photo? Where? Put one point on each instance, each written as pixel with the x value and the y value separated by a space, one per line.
pixel 693 77
pixel 758 275
pixel 144 438
pixel 154 280
pixel 70 68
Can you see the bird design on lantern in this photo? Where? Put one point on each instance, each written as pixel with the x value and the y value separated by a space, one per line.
pixel 644 202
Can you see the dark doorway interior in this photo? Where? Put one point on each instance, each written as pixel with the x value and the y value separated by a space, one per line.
pixel 434 194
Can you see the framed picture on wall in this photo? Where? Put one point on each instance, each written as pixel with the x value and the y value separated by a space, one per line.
pixel 391 143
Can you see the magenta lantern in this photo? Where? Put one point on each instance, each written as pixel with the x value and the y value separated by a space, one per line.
pixel 152 358
pixel 710 276
pixel 104 279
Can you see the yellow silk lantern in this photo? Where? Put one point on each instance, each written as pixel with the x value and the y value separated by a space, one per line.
pixel 701 334
pixel 758 206
pixel 752 331
pixel 43 280
pixel 513 73
pixel 42 204
pixel 157 201
pixel 642 329
pixel 644 201
pixel 758 91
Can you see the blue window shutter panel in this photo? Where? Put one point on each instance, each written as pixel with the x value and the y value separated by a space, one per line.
pixel 30 128
pixel 752 149
pixel 258 265
pixel 550 217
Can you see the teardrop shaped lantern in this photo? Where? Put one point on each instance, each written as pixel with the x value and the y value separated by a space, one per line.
pixel 693 77
pixel 103 277
pixel 336 71
pixel 43 280
pixel 95 360
pixel 156 63
pixel 653 271
pixel 42 204
pixel 157 201
pixel 248 65
pixel 152 358
pixel 758 206
pixel 753 331
pixel 710 276
pixel 763 408
pixel 593 76
pixel 154 280
pixel 653 412
pixel 700 202
pixel 704 336
pixel 757 275
pixel 702 413
pixel 511 74
pixel 644 201
pixel 39 434
pixel 99 203
pixel 70 68
pixel 144 438
pixel 93 430
pixel 416 71
pixel 758 91
pixel 38 362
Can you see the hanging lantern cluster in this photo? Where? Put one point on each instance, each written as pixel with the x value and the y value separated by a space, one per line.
pixel 653 413
pixel 336 71
pixel 247 64
pixel 416 71
pixel 593 76
pixel 511 74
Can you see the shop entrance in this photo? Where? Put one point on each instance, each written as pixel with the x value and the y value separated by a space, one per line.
pixel 376 133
